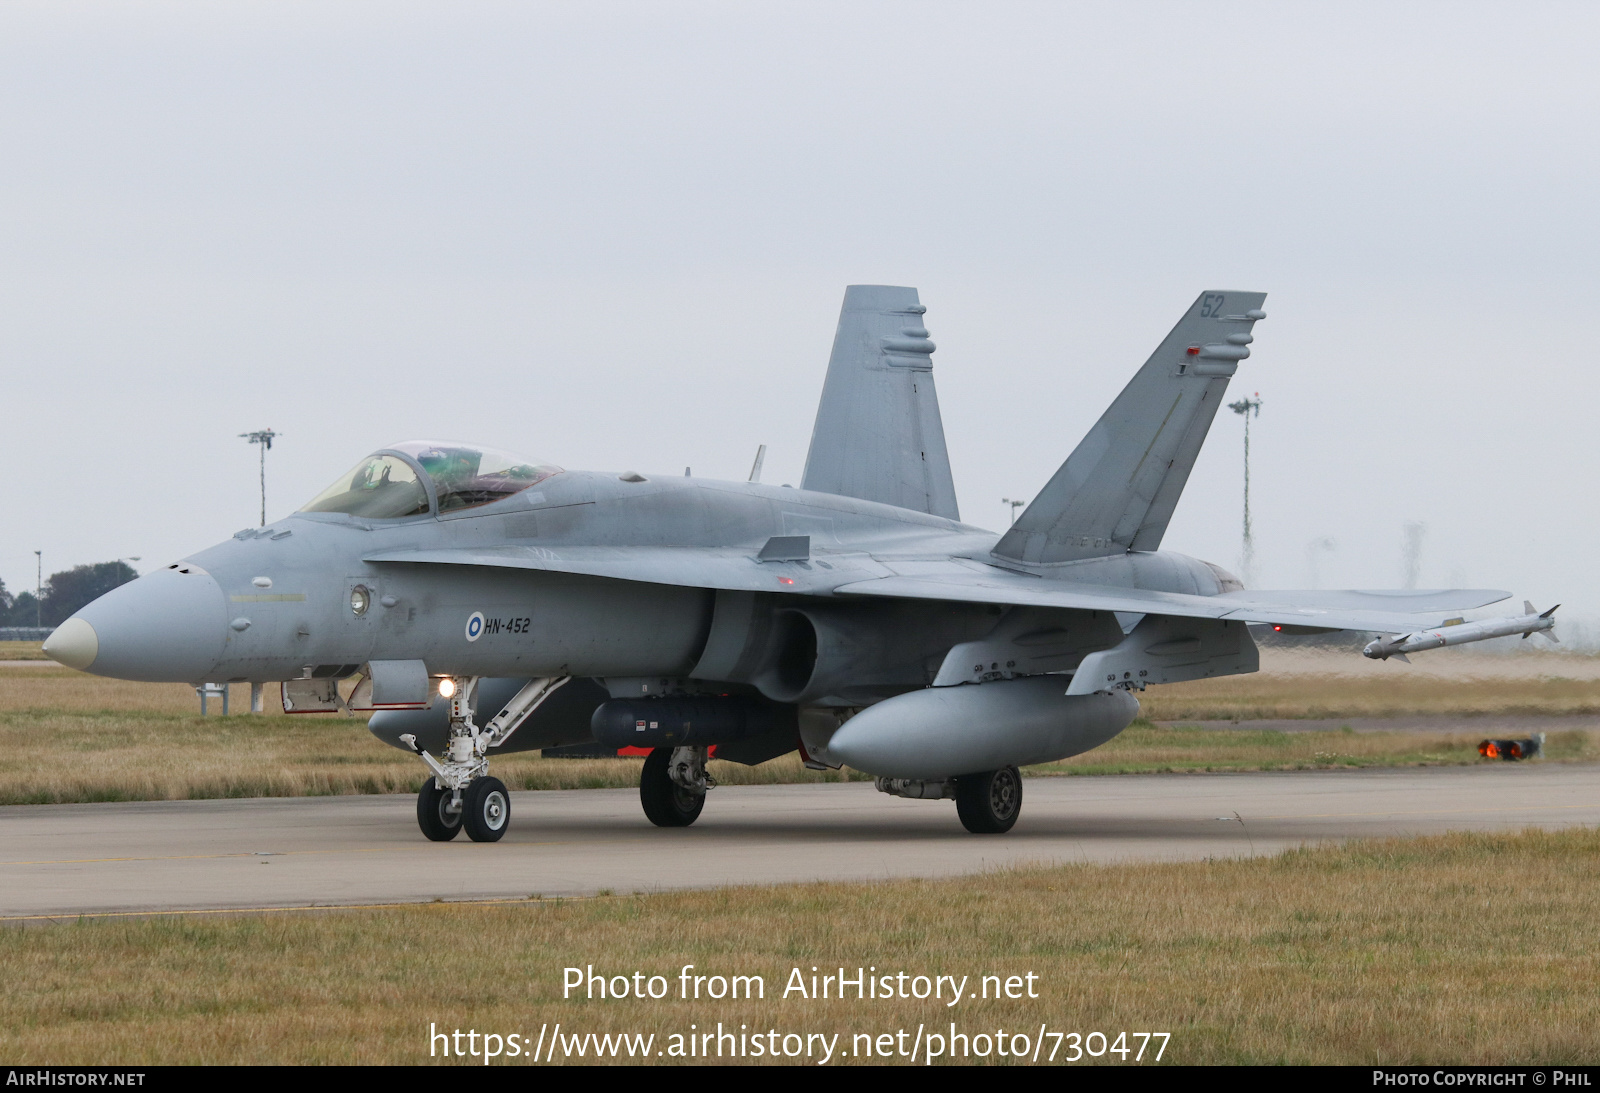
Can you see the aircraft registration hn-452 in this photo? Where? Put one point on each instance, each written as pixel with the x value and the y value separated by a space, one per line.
pixel 486 603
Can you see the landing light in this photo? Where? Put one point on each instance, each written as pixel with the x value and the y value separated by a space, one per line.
pixel 447 687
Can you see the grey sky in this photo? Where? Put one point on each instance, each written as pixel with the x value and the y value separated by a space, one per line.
pixel 616 236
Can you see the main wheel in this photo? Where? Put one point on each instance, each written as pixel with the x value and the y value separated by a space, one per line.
pixel 485 810
pixel 438 823
pixel 989 803
pixel 666 803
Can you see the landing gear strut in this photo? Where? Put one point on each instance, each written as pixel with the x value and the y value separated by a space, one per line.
pixel 461 794
pixel 673 785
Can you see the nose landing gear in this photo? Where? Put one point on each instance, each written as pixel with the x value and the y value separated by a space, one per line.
pixel 461 794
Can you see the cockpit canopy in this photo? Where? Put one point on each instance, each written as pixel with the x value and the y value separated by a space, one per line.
pixel 390 484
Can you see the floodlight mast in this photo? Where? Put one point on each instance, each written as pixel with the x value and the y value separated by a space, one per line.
pixel 1247 407
pixel 262 437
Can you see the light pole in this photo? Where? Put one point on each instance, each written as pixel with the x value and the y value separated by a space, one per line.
pixel 1015 505
pixel 1247 407
pixel 38 589
pixel 262 437
pixel 1323 544
pixel 1411 554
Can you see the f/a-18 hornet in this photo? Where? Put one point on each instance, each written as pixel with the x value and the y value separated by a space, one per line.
pixel 485 603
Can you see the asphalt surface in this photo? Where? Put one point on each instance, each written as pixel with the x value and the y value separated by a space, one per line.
pixel 63 860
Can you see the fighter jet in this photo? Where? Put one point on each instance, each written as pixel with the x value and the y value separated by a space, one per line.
pixel 479 602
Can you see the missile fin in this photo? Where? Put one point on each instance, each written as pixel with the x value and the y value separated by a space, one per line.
pixel 1546 614
pixel 1528 608
pixel 1549 636
pixel 1401 656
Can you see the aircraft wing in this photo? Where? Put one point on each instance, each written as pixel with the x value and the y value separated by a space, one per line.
pixel 960 581
pixel 1396 612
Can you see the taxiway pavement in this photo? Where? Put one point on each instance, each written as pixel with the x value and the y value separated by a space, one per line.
pixel 63 860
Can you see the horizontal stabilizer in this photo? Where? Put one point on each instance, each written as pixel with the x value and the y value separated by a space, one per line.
pixel 1118 489
pixel 878 434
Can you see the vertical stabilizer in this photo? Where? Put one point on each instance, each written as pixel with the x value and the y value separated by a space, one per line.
pixel 1118 489
pixel 878 434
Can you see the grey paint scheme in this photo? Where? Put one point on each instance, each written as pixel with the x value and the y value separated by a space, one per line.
pixel 1025 721
pixel 598 576
pixel 1118 489
pixel 878 434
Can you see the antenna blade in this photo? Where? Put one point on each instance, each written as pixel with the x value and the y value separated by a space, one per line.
pixel 755 469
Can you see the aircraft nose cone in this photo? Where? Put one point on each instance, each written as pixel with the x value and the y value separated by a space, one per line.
pixel 74 643
pixel 167 626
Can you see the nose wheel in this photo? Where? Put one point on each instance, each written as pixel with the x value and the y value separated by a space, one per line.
pixel 485 810
pixel 438 814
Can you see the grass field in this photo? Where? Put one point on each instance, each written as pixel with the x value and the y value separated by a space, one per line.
pixel 1461 948
pixel 69 737
pixel 23 650
pixel 1295 685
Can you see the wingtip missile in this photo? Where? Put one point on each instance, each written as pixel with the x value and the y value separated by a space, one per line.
pixel 1457 632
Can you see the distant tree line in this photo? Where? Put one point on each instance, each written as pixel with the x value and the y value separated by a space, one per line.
pixel 64 593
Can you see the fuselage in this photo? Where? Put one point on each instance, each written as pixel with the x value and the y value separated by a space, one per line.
pixel 300 596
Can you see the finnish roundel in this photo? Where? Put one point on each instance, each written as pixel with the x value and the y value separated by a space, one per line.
pixel 475 626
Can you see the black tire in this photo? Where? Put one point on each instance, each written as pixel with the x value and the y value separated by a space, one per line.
pixel 666 803
pixel 989 803
pixel 486 810
pixel 438 824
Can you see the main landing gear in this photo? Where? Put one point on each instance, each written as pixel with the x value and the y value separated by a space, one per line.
pixel 988 802
pixel 673 786
pixel 461 794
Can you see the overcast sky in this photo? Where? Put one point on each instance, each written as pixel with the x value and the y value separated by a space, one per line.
pixel 615 236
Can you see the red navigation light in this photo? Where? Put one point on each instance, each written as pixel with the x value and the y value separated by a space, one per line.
pixel 1489 749
pixel 786 580
pixel 1194 351
pixel 1275 626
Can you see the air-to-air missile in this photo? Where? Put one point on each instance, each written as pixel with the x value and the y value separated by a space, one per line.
pixel 1458 632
